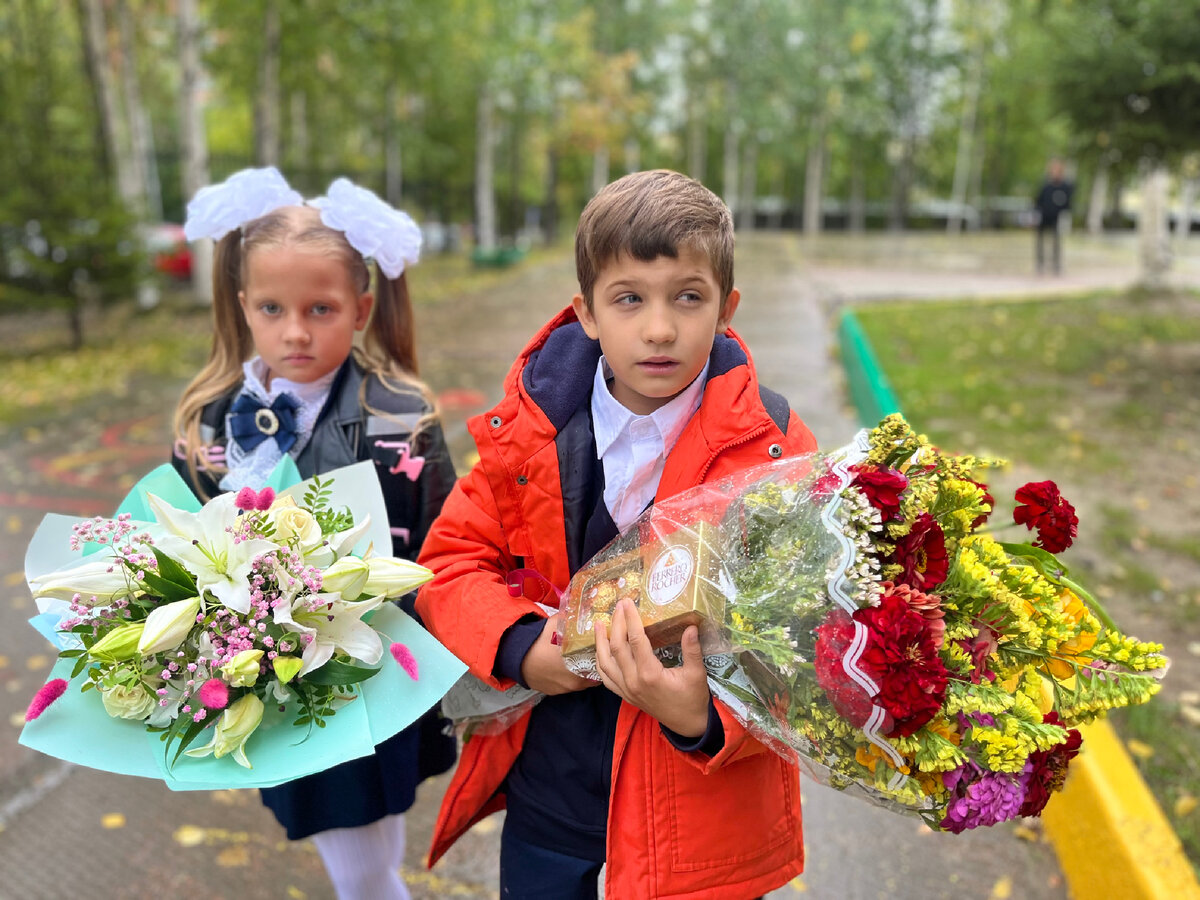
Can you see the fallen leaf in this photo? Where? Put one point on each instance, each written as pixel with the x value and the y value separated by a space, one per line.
pixel 112 820
pixel 37 661
pixel 189 835
pixel 230 857
pixel 1025 833
pixel 12 579
pixel 17 720
pixel 1185 805
pixel 1139 749
pixel 3 662
pixel 1192 697
pixel 13 524
pixel 1002 889
pixel 1194 648
pixel 295 893
pixel 1190 714
pixel 797 884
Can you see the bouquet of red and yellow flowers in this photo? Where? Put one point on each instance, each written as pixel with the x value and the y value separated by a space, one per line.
pixel 857 615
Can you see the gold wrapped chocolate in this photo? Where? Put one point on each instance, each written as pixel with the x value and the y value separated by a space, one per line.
pixel 674 582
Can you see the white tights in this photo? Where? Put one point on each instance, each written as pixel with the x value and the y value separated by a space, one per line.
pixel 364 863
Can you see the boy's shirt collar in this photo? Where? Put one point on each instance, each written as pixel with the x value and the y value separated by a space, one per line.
pixel 610 419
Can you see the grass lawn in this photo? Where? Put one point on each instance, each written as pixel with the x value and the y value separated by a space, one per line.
pixel 1100 393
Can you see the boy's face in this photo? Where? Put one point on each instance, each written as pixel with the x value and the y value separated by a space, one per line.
pixel 655 322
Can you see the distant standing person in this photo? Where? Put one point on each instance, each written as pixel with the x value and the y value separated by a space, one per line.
pixel 1053 199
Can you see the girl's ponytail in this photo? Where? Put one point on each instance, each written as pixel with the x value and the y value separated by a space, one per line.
pixel 231 344
pixel 391 334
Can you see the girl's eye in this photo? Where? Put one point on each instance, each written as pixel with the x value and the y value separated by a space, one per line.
pixel 269 309
pixel 322 309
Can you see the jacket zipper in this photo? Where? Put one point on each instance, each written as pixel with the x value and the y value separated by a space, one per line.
pixel 745 438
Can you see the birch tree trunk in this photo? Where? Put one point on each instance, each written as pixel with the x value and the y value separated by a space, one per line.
pixel 267 98
pixel 857 222
pixel 1097 198
pixel 1152 227
pixel 1187 200
pixel 814 178
pixel 108 110
pixel 697 144
pixel 393 162
pixel 729 181
pixel 299 150
pixel 485 191
pixel 749 188
pixel 599 168
pixel 966 139
pixel 193 138
pixel 135 110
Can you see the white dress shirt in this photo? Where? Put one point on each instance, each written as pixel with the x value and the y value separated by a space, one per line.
pixel 634 448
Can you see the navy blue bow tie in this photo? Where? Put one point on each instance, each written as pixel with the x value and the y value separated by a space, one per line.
pixel 251 422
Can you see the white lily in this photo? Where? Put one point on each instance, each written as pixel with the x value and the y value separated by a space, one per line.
pixel 102 578
pixel 333 624
pixel 335 546
pixel 391 576
pixel 201 543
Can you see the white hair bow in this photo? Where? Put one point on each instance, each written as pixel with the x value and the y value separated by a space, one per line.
pixel 372 227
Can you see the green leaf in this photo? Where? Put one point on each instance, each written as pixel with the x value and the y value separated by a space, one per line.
pixel 336 673
pixel 1046 563
pixel 168 590
pixel 186 735
pixel 170 570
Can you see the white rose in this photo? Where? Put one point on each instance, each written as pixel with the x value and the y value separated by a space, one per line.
pixel 296 525
pixel 123 702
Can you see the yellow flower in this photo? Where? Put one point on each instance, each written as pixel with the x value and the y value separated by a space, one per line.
pixel 1076 611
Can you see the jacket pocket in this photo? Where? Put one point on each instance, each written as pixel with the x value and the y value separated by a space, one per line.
pixel 741 814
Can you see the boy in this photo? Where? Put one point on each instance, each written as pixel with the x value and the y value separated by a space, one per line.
pixel 638 390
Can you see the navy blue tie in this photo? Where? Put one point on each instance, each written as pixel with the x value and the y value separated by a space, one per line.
pixel 251 421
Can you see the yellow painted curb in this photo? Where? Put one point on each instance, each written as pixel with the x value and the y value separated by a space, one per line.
pixel 1110 835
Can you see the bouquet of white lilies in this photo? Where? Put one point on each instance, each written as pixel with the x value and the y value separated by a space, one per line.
pixel 200 623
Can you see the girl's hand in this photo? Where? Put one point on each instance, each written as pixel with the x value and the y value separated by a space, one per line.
pixel 543 668
pixel 677 697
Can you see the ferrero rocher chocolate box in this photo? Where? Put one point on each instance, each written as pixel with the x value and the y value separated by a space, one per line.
pixel 674 582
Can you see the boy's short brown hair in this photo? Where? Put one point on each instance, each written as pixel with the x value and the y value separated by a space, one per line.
pixel 653 214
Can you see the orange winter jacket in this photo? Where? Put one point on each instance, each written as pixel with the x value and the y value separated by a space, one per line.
pixel 680 825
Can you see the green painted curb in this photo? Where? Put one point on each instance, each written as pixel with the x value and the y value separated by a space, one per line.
pixel 1108 831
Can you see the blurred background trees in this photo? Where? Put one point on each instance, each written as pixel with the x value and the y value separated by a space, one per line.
pixel 493 122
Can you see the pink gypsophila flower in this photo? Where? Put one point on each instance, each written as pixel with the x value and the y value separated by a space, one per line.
pixel 404 657
pixel 214 694
pixel 47 694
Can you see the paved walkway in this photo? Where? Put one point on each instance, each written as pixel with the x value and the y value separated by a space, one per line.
pixel 67 831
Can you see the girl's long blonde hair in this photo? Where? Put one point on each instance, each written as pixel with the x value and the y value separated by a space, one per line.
pixel 389 348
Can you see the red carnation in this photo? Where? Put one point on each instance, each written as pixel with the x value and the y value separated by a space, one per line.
pixel 883 488
pixel 922 554
pixel 1049 769
pixel 902 657
pixel 1045 509
pixel 833 638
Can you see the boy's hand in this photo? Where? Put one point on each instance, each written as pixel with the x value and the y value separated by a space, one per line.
pixel 677 697
pixel 543 668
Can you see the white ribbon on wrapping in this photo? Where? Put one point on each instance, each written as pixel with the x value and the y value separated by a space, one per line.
pixel 854 453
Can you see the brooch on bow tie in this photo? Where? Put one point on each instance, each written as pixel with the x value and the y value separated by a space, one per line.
pixel 251 421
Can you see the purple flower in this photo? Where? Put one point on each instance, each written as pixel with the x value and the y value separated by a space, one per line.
pixel 979 797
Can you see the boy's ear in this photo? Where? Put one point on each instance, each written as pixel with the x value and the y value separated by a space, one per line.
pixel 365 301
pixel 727 311
pixel 586 319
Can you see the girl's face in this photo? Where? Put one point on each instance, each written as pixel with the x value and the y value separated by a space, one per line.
pixel 302 309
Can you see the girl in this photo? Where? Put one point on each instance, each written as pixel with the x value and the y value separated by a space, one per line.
pixel 290 290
